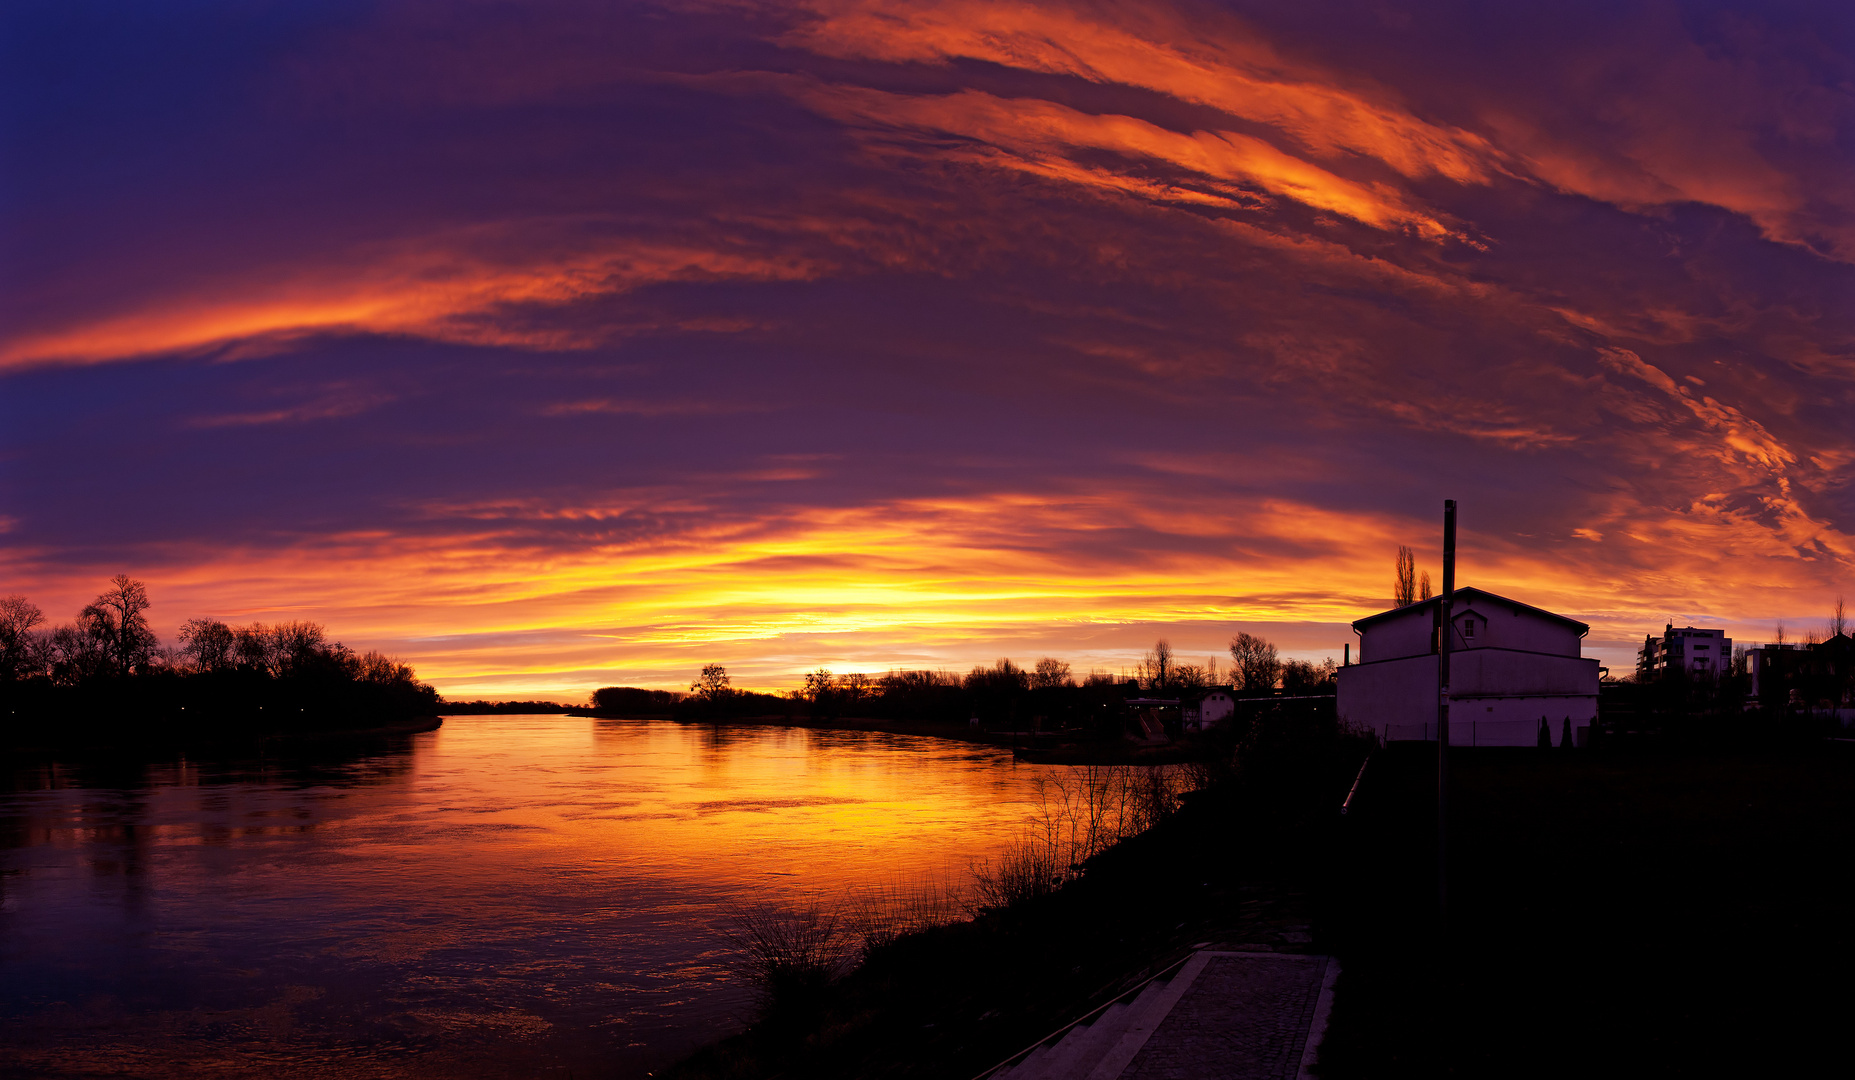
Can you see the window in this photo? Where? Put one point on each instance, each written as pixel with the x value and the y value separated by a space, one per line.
pixel 1468 628
pixel 1698 647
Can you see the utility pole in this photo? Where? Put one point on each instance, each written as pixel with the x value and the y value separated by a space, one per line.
pixel 1445 631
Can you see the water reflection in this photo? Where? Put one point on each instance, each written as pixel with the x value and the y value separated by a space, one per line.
pixel 509 895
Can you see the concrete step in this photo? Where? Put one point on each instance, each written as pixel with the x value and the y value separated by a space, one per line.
pixel 1020 1070
pixel 1087 1051
pixel 1137 1024
pixel 1080 1047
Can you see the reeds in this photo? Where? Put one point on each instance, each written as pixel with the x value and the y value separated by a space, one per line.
pixel 791 953
pixel 1080 814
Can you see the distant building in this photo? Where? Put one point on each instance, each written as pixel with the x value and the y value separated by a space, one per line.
pixel 1510 665
pixel 1688 651
pixel 1812 675
pixel 1207 708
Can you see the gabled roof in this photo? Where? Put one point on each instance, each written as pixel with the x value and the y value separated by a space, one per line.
pixel 1469 595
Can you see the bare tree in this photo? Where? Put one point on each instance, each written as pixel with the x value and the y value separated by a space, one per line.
pixel 1050 672
pixel 1253 663
pixel 209 644
pixel 117 619
pixel 1838 620
pixel 377 667
pixel 1423 586
pixel 1778 633
pixel 712 684
pixel 855 686
pixel 1156 667
pixel 1404 590
pixel 18 646
pixel 1307 677
pixel 1188 678
pixel 76 655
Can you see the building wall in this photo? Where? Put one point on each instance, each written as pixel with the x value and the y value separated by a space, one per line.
pixel 1502 627
pixel 1704 652
pixel 1499 626
pixel 1505 673
pixel 1518 667
pixel 1396 699
pixel 1399 636
pixel 1388 693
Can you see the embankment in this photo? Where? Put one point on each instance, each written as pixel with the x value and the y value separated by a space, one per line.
pixel 1231 867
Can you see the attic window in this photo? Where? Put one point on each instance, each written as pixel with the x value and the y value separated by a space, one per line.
pixel 1468 628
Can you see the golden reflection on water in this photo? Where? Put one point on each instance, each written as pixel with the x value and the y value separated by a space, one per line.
pixel 514 894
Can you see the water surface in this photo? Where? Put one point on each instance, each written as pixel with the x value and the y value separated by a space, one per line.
pixel 505 896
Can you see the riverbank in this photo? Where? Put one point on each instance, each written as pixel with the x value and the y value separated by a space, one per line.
pixel 1040 747
pixel 1231 870
pixel 1633 911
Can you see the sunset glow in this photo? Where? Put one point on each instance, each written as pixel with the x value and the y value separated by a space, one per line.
pixel 589 349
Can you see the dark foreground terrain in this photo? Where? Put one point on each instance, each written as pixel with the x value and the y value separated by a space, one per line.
pixel 1648 911
pixel 1632 911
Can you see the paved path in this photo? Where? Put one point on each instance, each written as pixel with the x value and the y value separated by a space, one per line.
pixel 1247 1016
pixel 1225 1015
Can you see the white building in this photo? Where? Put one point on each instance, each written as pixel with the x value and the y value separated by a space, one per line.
pixel 1207 709
pixel 1703 654
pixel 1509 665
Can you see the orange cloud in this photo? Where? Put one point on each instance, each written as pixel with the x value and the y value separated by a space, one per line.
pixel 1222 65
pixel 1041 136
pixel 444 287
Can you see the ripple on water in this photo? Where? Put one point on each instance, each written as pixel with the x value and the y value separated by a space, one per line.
pixel 513 894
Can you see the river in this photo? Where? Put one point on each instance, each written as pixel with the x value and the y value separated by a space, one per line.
pixel 506 896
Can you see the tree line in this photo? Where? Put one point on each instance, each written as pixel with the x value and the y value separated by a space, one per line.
pixel 109 666
pixel 1047 694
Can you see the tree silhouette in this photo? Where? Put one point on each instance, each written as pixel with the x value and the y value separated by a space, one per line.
pixel 1253 663
pixel 1156 669
pixel 117 622
pixel 712 684
pixel 1404 589
pixel 1050 672
pixel 209 644
pixel 18 647
pixel 855 686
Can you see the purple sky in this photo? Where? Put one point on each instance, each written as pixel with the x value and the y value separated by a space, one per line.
pixel 553 346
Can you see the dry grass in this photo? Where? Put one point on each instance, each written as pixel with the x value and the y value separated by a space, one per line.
pixel 878 914
pixel 1080 814
pixel 790 953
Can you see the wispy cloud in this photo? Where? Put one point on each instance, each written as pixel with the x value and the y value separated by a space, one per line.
pixel 591 344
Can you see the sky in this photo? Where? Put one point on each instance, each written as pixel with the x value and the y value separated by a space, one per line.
pixel 551 346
